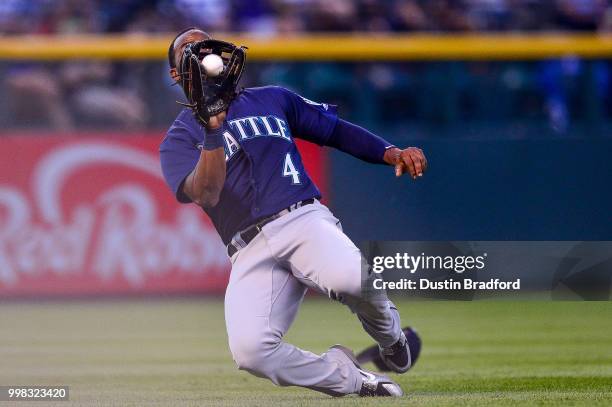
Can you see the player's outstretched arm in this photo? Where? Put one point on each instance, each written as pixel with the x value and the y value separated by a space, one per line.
pixel 318 123
pixel 369 147
pixel 203 186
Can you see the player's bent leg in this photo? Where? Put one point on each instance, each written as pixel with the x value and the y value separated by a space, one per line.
pixel 287 365
pixel 336 372
pixel 261 302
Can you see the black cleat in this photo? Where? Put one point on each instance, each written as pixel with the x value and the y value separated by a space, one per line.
pixel 373 384
pixel 399 357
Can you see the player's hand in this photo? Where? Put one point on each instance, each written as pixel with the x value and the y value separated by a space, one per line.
pixel 411 160
pixel 216 121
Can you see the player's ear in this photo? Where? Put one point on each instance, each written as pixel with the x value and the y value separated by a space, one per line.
pixel 174 74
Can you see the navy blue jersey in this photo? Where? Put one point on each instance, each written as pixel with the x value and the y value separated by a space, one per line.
pixel 264 172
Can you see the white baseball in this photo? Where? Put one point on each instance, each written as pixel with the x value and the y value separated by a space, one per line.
pixel 213 65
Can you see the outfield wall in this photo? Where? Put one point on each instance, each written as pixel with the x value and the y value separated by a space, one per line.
pixel 92 216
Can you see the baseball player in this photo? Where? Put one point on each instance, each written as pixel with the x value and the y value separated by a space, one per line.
pixel 233 153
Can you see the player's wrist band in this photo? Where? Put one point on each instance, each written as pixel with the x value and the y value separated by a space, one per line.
pixel 214 138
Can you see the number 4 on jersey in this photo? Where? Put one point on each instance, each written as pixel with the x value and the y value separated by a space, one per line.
pixel 290 171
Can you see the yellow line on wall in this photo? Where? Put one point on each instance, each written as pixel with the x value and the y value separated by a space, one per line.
pixel 354 47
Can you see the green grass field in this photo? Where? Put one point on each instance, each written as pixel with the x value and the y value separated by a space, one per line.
pixel 174 353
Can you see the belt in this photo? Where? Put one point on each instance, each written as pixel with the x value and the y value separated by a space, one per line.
pixel 242 239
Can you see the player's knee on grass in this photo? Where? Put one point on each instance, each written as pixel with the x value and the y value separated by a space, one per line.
pixel 252 353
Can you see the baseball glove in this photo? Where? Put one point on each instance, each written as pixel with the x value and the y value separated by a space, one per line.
pixel 208 96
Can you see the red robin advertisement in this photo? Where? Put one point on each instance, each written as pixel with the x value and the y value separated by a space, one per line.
pixel 91 215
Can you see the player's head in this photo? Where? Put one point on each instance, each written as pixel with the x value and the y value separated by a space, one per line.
pixel 178 44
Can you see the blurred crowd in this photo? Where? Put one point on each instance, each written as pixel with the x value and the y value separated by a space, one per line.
pixel 286 16
pixel 76 94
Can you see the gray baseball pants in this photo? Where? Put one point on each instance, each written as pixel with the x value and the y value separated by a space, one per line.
pixel 303 249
